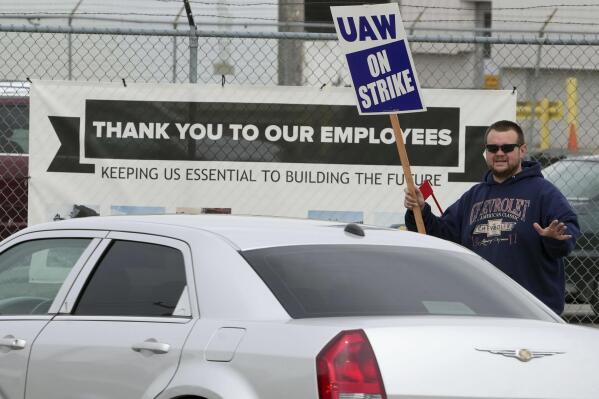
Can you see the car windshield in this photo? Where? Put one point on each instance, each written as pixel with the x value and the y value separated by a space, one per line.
pixel 366 280
pixel 576 179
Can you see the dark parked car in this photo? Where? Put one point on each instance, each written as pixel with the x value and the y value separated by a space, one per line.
pixel 577 177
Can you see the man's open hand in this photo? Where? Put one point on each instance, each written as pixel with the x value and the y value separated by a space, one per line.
pixel 555 230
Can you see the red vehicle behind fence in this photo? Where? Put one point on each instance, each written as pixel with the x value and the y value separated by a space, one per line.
pixel 14 163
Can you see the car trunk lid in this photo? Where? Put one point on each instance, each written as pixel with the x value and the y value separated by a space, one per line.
pixel 478 359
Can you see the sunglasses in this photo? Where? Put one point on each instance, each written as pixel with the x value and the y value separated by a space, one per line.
pixel 493 148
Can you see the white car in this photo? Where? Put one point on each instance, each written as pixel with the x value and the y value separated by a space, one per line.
pixel 214 306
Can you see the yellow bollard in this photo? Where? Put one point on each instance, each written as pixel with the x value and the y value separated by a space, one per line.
pixel 543 115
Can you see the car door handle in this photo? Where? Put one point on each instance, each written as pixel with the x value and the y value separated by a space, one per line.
pixel 12 343
pixel 151 345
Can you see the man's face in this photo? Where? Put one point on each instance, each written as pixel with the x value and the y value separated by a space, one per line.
pixel 504 164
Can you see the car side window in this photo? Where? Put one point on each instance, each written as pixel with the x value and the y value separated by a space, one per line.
pixel 134 279
pixel 32 272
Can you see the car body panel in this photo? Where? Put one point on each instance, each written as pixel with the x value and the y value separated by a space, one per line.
pixel 424 357
pixel 247 232
pixel 444 357
pixel 100 362
pixel 461 360
pixel 273 359
pixel 242 298
pixel 13 361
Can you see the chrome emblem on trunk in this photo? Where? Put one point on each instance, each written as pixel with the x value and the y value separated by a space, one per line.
pixel 524 355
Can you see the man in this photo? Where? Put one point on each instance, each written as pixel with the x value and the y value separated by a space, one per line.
pixel 515 219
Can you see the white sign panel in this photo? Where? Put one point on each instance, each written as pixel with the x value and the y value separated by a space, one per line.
pixel 284 151
pixel 374 42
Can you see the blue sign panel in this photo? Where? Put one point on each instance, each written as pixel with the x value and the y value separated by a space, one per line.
pixel 374 43
pixel 384 79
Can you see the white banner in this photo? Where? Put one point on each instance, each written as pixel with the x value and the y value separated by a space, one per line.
pixel 283 151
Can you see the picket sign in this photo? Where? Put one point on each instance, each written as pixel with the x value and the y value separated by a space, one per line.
pixel 374 42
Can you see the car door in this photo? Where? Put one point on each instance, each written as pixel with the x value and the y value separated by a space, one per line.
pixel 120 331
pixel 36 271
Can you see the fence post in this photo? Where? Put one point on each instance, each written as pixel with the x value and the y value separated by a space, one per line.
pixel 193 45
pixel 533 81
pixel 482 51
pixel 70 49
pixel 193 55
pixel 291 58
pixel 175 25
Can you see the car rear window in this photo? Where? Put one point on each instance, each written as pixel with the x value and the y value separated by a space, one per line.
pixel 365 280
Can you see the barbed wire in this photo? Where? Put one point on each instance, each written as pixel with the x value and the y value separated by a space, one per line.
pixel 248 4
pixel 67 14
pixel 403 5
pixel 522 21
pixel 253 18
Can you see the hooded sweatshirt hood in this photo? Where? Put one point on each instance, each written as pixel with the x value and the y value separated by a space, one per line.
pixel 529 169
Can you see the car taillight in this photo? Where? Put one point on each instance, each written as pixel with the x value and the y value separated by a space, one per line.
pixel 347 369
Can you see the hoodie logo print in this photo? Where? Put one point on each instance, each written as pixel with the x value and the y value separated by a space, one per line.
pixel 494 227
pixel 509 208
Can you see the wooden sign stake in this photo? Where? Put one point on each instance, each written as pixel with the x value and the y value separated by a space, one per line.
pixel 405 164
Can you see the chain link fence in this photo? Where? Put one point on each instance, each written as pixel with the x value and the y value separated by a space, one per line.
pixel 556 81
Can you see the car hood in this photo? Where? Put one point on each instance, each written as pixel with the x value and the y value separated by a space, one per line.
pixel 478 360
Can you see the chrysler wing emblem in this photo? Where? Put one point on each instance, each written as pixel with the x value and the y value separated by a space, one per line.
pixel 524 355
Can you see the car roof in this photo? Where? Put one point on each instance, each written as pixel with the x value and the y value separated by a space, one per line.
pixel 589 158
pixel 251 232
